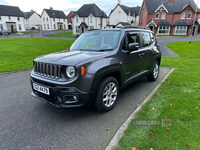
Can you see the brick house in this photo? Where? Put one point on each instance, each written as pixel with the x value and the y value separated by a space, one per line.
pixel 69 18
pixel 169 17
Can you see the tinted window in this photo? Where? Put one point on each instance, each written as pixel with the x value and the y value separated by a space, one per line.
pixel 146 40
pixel 131 38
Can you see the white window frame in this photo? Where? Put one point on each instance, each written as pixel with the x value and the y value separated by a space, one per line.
pixel 84 19
pixel 54 26
pixel 63 20
pixel 76 18
pixel 77 29
pixel 9 17
pixel 18 18
pixel 190 16
pixel 91 19
pixel 158 15
pixel 43 19
pixel 20 27
pixel 183 17
pixel 44 26
pixel 64 26
pixel 163 28
pixel 91 27
pixel 179 28
pixel 163 17
pixel 47 19
pixel 47 26
pixel 1 26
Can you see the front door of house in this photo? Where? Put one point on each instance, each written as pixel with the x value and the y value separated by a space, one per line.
pixel 151 28
pixel 82 30
pixel 12 29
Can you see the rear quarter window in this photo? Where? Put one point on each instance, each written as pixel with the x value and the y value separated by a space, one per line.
pixel 146 40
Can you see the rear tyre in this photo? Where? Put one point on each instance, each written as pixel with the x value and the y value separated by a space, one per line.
pixel 155 72
pixel 107 94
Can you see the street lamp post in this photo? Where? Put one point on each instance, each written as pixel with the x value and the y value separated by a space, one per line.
pixel 193 22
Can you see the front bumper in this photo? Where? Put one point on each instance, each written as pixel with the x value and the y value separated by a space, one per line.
pixel 63 96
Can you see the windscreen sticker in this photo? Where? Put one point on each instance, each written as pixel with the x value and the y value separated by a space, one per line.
pixel 109 47
pixel 115 36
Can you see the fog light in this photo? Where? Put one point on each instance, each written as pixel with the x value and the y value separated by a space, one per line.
pixel 75 98
pixel 59 99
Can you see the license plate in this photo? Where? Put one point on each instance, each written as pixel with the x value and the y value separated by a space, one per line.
pixel 41 89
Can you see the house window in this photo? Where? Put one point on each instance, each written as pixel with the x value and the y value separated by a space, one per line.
pixel 189 16
pixel 0 17
pixel 180 30
pixel 77 29
pixel 163 29
pixel 157 16
pixel 54 26
pixel 163 16
pixel 20 28
pixel 43 19
pixel 64 26
pixel 44 26
pixel 47 26
pixel 1 26
pixel 76 18
pixel 91 27
pixel 59 19
pixel 18 18
pixel 63 20
pixel 9 17
pixel 53 19
pixel 183 16
pixel 91 19
pixel 84 19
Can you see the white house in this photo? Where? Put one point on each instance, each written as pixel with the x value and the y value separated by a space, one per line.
pixel 124 14
pixel 53 20
pixel 89 16
pixel 11 18
pixel 32 20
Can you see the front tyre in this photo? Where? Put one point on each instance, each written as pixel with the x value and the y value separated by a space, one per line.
pixel 107 94
pixel 155 72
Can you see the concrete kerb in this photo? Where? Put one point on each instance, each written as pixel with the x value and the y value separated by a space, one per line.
pixel 118 135
pixel 175 55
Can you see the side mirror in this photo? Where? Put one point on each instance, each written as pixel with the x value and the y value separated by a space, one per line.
pixel 133 47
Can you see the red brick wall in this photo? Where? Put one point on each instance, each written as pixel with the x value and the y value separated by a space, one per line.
pixel 69 17
pixel 143 16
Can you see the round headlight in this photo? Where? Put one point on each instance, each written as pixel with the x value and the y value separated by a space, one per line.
pixel 70 71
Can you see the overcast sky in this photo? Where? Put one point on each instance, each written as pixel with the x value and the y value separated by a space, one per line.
pixel 68 5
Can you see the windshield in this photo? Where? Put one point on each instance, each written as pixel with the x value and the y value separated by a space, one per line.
pixel 96 40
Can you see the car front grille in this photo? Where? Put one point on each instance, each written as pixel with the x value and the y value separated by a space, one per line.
pixel 47 70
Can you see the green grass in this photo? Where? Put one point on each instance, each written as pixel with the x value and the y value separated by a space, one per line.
pixel 18 53
pixel 25 32
pixel 175 36
pixel 177 99
pixel 64 34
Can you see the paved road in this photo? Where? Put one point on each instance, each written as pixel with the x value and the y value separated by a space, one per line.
pixel 28 123
pixel 167 52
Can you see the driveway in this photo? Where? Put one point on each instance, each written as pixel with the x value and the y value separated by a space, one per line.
pixel 28 123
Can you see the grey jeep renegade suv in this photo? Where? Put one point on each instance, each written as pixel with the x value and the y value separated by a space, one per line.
pixel 96 67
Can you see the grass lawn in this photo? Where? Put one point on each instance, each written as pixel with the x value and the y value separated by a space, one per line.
pixel 175 36
pixel 64 34
pixel 18 53
pixel 178 99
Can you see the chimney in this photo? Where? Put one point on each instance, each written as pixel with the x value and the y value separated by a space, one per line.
pixel 32 10
pixel 51 8
pixel 119 2
pixel 170 1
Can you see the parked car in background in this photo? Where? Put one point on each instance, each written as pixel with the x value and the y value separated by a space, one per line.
pixel 5 32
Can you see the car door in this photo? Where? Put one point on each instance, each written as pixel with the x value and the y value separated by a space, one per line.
pixel 132 66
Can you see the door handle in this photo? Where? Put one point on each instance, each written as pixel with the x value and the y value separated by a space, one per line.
pixel 140 55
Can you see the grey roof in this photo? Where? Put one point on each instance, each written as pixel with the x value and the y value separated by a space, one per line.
pixel 123 23
pixel 180 23
pixel 10 11
pixel 176 7
pixel 84 24
pixel 163 22
pixel 132 10
pixel 57 13
pixel 191 23
pixel 86 9
pixel 27 15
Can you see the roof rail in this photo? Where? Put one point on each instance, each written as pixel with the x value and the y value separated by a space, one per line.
pixel 139 27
